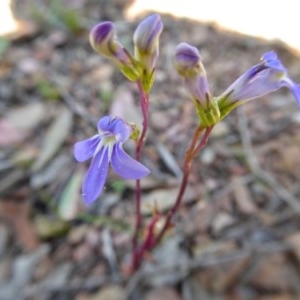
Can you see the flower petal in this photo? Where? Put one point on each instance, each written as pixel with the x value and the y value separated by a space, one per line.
pixel 95 178
pixel 186 60
pixel 103 124
pixel 85 149
pixel 104 40
pixel 121 130
pixel 115 126
pixel 147 33
pixel 271 60
pixel 270 55
pixel 188 63
pixel 125 166
pixel 293 87
pixel 256 82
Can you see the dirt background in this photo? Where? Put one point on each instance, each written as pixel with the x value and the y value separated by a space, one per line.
pixel 237 235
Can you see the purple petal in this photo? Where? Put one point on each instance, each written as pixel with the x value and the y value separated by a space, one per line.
pixel 255 82
pixel 259 80
pixel 95 178
pixel 199 89
pixel 147 33
pixel 125 166
pixel 270 60
pixel 293 87
pixel 115 126
pixel 102 39
pixel 186 59
pixel 121 130
pixel 102 31
pixel 84 150
pixel 103 124
pixel 270 55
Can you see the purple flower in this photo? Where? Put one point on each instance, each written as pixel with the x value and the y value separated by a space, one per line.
pixel 104 148
pixel 104 40
pixel 267 76
pixel 187 62
pixel 146 41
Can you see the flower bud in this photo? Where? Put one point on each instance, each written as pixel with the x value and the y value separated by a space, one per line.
pixel 104 40
pixel 146 41
pixel 187 62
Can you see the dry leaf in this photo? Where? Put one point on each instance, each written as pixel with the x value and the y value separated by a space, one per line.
pixel 18 215
pixel 164 293
pixel 54 138
pixel 242 196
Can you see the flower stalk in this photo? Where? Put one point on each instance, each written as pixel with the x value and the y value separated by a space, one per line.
pixel 197 144
pixel 144 102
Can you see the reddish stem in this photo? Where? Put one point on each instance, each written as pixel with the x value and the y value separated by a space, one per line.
pixel 149 240
pixel 192 151
pixel 144 101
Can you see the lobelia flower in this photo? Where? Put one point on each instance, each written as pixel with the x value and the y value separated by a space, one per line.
pixel 267 76
pixel 146 46
pixel 106 148
pixel 104 40
pixel 188 63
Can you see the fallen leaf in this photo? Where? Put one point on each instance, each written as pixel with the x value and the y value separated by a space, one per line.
pixel 242 196
pixel 221 221
pixel 271 273
pixel 9 134
pixel 164 199
pixel 4 236
pixel 17 213
pixel 50 172
pixel 25 155
pixel 47 227
pixel 26 117
pixel 112 292
pixel 11 178
pixel 22 271
pixel 294 240
pixel 166 256
pixel 69 199
pixel 54 138
pixel 169 160
pixel 285 296
pixel 18 122
pixel 165 293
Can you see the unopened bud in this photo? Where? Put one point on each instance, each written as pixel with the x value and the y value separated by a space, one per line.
pixel 104 40
pixel 146 42
pixel 187 62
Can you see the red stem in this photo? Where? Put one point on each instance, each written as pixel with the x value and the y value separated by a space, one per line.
pixel 192 151
pixel 144 100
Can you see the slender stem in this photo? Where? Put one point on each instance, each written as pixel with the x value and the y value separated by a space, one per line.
pixel 202 143
pixel 150 242
pixel 192 151
pixel 144 101
pixel 149 239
